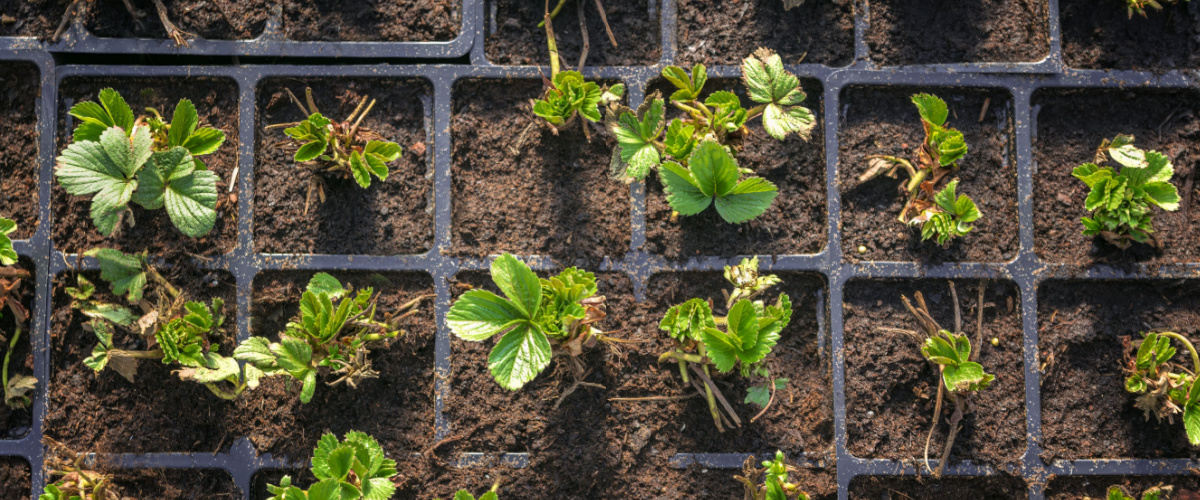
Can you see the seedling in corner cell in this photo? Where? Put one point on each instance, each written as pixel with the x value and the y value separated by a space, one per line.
pixel 492 494
pixel 344 148
pixel 774 484
pixel 1122 202
pixel 1165 389
pixel 940 213
pixel 16 388
pixel 118 159
pixel 1139 6
pixel 334 329
pixel 1159 492
pixel 354 468
pixel 71 478
pixel 567 93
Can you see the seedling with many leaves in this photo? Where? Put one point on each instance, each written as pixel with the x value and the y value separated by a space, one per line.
pixel 16 388
pixel 1164 389
pixel 119 159
pixel 774 484
pixel 1159 492
pixel 1122 202
pixel 939 213
pixel 355 468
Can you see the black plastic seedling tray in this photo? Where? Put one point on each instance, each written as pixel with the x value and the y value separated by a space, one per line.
pixel 1027 271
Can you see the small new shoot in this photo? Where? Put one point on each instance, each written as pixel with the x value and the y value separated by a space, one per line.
pixel 1165 389
pixel 354 468
pixel 567 93
pixel 1139 6
pixel 774 484
pixel 1122 203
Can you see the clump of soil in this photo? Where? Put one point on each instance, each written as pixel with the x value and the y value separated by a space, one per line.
pixel 1084 326
pixel 35 19
pixel 15 479
pixel 213 19
pixel 407 21
pixel 1080 488
pixel 982 488
pixel 15 424
pixel 1070 126
pixel 891 390
pixel 397 408
pixel 904 32
pixel 1105 37
pixel 519 188
pixel 390 217
pixel 795 222
pixel 885 121
pixel 513 36
pixel 216 101
pixel 720 33
pixel 103 412
pixel 20 90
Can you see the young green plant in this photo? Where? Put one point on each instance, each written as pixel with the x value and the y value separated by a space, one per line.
pixel 1159 492
pixel 1122 202
pixel 1163 388
pixel 492 494
pixel 940 213
pixel 567 93
pixel 18 387
pixel 119 158
pixel 72 479
pixel 774 484
pixel 354 468
pixel 1139 6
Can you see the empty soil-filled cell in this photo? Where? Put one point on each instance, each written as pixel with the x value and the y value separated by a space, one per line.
pixel 20 91
pixel 31 19
pixel 904 32
pixel 517 187
pixel 15 422
pixel 1086 332
pixel 1070 127
pixel 14 479
pixel 725 33
pixel 216 102
pixel 513 35
pixel 879 121
pixel 405 21
pixel 795 221
pixel 175 484
pixel 891 390
pixel 211 19
pixel 390 217
pixel 1104 36
pixel 950 487
pixel 104 413
pixel 396 408
pixel 1096 487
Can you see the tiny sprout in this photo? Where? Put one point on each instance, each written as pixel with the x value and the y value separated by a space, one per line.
pixel 1159 492
pixel 774 484
pixel 1122 202
pixel 1164 389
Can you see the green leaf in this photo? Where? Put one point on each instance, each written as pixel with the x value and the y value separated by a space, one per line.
pixel 722 348
pixel 1091 173
pixel 191 202
pixel 635 138
pixel 358 167
pixel 780 122
pixel 93 120
pixel 338 462
pixel 479 314
pixel 748 200
pixel 932 108
pixel 106 168
pixel 204 141
pixel 183 123
pixel 715 171
pixel 1124 152
pixel 967 376
pixel 108 312
pixel 325 283
pixel 114 104
pixel 310 386
pixel 99 358
pixel 257 351
pixel 1162 194
pixel 683 193
pixel 8 256
pixel 768 82
pixel 687 320
pixel 329 489
pixel 519 356
pixel 679 140
pixel 124 272
pixel 294 356
pixel 1191 422
pixel 518 283
pixel 758 395
pixel 310 151
pixel 1118 493
pixel 378 489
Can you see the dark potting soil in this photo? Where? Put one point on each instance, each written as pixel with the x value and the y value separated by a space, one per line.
pixel 397 408
pixel 716 33
pixel 36 19
pixel 103 412
pixel 14 479
pixel 216 101
pixel 513 36
pixel 598 448
pixel 1105 37
pixel 404 21
pixel 20 89
pixel 15 423
pixel 885 121
pixel 1083 326
pixel 1080 488
pixel 389 218
pixel 901 488
pixel 1070 126
pixel 214 19
pixel 518 187
pixel 795 222
pixel 891 390
pixel 176 484
pixel 904 32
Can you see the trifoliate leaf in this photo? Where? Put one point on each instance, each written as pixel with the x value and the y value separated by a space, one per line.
pixel 124 272
pixel 635 138
pixel 767 82
pixel 690 87
pixel 679 140
pixel 107 168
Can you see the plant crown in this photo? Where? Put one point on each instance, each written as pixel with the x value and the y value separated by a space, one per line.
pixel 1164 389
pixel 344 147
pixel 952 351
pixel 568 94
pixel 1159 492
pixel 775 484
pixel 1121 202
pixel 354 468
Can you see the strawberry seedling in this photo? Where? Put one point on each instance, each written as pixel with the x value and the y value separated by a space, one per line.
pixel 1122 202
pixel 567 93
pixel 355 468
pixel 1164 389
pixel 712 177
pixel 1139 6
pixel 774 484
pixel 491 494
pixel 119 159
pixel 1159 492
pixel 16 388
pixel 75 481
pixel 939 213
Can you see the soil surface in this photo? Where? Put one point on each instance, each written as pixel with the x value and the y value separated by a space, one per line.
pixel 14 479
pixel 377 20
pixel 513 36
pixel 891 390
pixel 213 19
pixel 1083 326
pixel 20 89
pixel 715 33
pixel 591 447
pixel 904 488
pixel 1070 126
pixel 885 121
pixel 177 484
pixel 103 412
pixel 794 224
pixel 15 424
pixel 1105 37
pixel 1096 487
pixel 36 19
pixel 397 408
pixel 552 197
pixel 216 101
pixel 905 32
pixel 392 217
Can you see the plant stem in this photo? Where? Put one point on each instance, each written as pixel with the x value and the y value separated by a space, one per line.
pixel 1190 348
pixel 151 354
pixel 174 292
pixel 680 356
pixel 954 421
pixel 11 345
pixel 557 9
pixel 937 414
pixel 12 272
pixel 554 68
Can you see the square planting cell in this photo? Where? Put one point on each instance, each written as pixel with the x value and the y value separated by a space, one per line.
pixel 339 21
pixel 897 488
pixel 20 90
pixel 1070 124
pixel 213 20
pixel 724 33
pixel 884 121
pixel 907 32
pixel 517 187
pixel 1096 487
pixel 391 217
pixel 14 479
pixel 1086 332
pixel 795 223
pixel 514 38
pixel 216 102
pixel 1104 36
